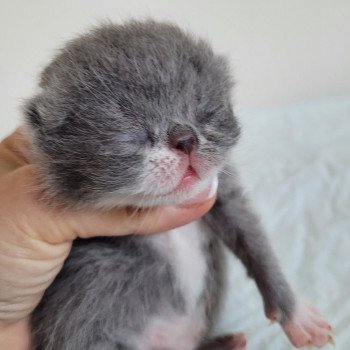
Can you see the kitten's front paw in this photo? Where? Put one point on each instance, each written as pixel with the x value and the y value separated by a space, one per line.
pixel 307 328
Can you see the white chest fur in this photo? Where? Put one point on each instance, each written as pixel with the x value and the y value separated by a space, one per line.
pixel 183 247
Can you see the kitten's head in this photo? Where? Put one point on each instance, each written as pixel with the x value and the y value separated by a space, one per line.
pixel 135 114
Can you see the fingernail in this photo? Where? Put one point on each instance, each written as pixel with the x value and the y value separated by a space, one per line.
pixel 214 187
pixel 203 196
pixel 331 340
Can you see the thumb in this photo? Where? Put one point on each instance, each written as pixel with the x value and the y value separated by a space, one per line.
pixel 58 225
pixel 123 221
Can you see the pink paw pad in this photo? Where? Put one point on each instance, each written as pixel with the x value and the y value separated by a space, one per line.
pixel 235 341
pixel 238 342
pixel 307 328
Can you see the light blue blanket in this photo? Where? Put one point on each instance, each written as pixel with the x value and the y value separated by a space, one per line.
pixel 295 164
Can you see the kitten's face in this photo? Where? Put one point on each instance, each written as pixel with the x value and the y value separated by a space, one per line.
pixel 133 115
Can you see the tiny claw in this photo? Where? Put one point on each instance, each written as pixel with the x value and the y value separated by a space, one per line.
pixel 272 318
pixel 331 340
pixel 329 327
pixel 309 345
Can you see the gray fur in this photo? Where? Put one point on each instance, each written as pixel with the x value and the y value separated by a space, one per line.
pixel 107 101
pixel 116 92
pixel 233 220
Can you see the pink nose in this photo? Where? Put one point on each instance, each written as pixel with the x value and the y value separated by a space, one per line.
pixel 182 138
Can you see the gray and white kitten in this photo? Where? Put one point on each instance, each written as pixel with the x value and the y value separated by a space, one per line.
pixel 126 115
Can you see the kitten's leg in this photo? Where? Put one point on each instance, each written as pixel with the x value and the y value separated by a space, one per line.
pixel 232 219
pixel 228 342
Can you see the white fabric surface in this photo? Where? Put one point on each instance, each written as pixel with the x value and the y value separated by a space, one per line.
pixel 295 165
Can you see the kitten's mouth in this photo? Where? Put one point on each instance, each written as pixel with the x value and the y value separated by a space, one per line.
pixel 189 179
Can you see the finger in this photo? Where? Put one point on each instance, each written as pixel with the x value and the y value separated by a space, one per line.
pixel 12 152
pixel 17 144
pixel 57 225
pixel 135 221
pixel 167 218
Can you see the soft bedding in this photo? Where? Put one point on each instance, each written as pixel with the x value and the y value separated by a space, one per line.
pixel 295 165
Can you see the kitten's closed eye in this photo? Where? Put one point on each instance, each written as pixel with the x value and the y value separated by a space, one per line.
pixel 205 117
pixel 128 143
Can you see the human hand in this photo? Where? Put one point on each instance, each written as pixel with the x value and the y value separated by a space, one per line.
pixel 36 239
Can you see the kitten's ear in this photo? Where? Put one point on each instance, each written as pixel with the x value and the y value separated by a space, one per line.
pixel 31 112
pixel 38 113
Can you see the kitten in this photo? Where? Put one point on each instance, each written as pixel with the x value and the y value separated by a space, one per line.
pixel 140 114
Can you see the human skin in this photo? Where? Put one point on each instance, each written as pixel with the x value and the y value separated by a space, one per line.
pixel 36 238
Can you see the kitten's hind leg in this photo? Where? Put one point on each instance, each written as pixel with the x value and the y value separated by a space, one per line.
pixel 235 341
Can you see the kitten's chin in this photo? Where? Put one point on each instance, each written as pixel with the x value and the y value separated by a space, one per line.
pixel 186 194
